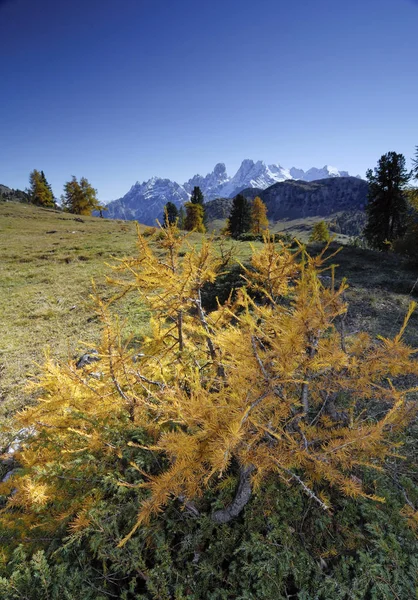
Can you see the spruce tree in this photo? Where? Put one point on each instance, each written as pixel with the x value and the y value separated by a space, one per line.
pixel 387 201
pixel 240 217
pixel 170 214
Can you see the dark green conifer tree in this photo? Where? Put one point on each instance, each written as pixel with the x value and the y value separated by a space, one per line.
pixel 387 201
pixel 240 217
pixel 415 164
pixel 197 196
pixel 170 214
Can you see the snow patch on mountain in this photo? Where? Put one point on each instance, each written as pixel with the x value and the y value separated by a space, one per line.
pixel 314 173
pixel 253 174
pixel 211 184
pixel 145 201
pixel 281 173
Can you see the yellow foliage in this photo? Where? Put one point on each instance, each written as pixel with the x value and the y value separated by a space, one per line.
pixel 259 221
pixel 320 232
pixel 263 381
pixel 193 220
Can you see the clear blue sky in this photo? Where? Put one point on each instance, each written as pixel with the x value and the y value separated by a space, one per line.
pixel 120 90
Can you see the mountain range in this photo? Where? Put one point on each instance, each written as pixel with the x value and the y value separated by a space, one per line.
pixel 145 201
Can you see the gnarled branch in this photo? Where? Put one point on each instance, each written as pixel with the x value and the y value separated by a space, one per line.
pixel 242 497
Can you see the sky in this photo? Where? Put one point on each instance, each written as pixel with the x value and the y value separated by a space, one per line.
pixel 120 90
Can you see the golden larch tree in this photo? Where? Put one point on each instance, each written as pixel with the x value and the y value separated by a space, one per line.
pixel 265 385
pixel 80 197
pixel 193 220
pixel 320 232
pixel 40 192
pixel 259 221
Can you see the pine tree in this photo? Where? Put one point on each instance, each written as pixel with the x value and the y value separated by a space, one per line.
pixel 193 220
pixel 256 389
pixel 40 192
pixel 240 217
pixel 259 221
pixel 170 214
pixel 320 232
pixel 80 197
pixel 387 202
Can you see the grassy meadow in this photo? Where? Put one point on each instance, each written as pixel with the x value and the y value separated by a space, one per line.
pixel 48 262
pixel 300 228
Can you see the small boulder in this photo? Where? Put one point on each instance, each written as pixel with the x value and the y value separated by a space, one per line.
pixel 8 461
pixel 87 358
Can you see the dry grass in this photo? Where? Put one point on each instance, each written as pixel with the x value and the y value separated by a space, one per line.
pixel 48 262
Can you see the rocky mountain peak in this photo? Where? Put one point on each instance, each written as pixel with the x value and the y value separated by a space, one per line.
pixel 220 171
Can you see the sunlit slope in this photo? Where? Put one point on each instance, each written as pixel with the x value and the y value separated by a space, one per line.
pixel 48 261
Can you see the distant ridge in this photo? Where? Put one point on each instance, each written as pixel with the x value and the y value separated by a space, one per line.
pixel 10 195
pixel 301 199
